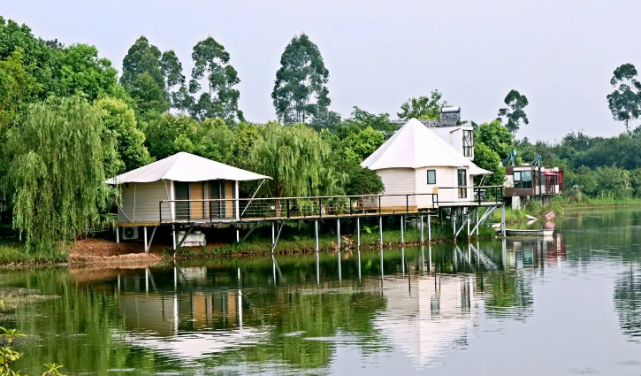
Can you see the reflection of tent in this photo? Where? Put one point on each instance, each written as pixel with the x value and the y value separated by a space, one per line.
pixel 162 314
pixel 425 321
pixel 195 345
pixel 158 321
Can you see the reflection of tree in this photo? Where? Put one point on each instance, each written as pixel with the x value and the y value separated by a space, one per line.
pixel 627 300
pixel 78 329
pixel 509 294
pixel 306 314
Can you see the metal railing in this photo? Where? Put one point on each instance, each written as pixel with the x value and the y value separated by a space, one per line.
pixel 479 195
pixel 211 210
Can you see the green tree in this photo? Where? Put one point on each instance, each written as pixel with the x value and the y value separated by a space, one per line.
pixel 496 137
pixel 169 135
pixel 58 172
pixel 361 119
pixel 83 73
pixel 211 61
pixel 625 101
pixel 423 107
pixel 244 137
pixel 16 87
pixel 119 118
pixel 41 59
pixel 359 145
pixel 300 91
pixel 154 79
pixel 294 157
pixel 486 158
pixel 362 181
pixel 514 113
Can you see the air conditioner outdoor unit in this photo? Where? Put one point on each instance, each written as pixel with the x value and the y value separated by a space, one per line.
pixel 129 233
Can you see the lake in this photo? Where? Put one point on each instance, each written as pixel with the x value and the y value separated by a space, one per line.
pixel 565 305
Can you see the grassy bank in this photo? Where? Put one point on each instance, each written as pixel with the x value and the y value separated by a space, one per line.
pixel 293 240
pixel 12 252
pixel 571 202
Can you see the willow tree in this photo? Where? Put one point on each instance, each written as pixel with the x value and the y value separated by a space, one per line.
pixel 62 154
pixel 295 158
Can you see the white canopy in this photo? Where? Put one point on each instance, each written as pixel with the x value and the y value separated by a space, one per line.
pixel 416 146
pixel 187 168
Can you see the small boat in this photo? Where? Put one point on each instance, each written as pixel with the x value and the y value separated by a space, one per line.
pixel 540 232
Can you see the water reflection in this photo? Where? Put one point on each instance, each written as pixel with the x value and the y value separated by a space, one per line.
pixel 302 314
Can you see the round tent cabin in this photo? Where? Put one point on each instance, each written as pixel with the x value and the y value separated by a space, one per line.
pixel 417 161
pixel 180 189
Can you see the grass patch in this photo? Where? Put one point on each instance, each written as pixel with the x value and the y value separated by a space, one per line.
pixel 302 240
pixel 12 252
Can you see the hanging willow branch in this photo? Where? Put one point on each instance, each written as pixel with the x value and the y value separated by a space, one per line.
pixel 61 152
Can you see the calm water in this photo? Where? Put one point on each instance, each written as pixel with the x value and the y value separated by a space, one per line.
pixel 561 306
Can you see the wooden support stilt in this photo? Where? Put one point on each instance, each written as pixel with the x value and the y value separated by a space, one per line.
pixel 317 248
pixel 358 233
pixel 402 234
pixel 338 234
pixel 380 230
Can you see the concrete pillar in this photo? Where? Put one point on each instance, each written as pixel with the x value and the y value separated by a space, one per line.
pixel 145 235
pixel 317 248
pixel 503 220
pixel 403 260
pixel 117 234
pixel 273 235
pixel 402 234
pixel 340 274
pixel 380 230
pixel 429 228
pixel 358 232
pixel 338 234
pixel 420 217
pixel 359 265
pixel 173 236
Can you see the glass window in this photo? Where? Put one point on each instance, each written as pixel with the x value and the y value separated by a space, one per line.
pixel 462 183
pixel 468 143
pixel 523 179
pixel 431 176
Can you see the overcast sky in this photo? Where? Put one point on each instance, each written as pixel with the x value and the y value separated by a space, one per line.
pixel 560 54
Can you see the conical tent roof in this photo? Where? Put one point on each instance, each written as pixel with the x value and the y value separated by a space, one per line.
pixel 416 146
pixel 187 168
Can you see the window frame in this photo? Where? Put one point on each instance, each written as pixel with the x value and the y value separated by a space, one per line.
pixel 462 190
pixel 428 176
pixel 520 183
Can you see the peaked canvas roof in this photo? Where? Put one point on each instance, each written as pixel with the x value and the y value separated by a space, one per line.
pixel 185 167
pixel 416 146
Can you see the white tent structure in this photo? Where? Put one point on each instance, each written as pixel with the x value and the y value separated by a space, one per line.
pixel 417 161
pixel 182 176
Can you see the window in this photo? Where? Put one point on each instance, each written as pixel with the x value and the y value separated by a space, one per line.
pixel 523 179
pixel 468 143
pixel 431 176
pixel 462 183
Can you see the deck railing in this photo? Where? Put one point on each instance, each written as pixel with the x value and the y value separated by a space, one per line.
pixel 492 194
pixel 245 209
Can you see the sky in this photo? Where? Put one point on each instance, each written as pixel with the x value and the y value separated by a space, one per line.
pixel 560 54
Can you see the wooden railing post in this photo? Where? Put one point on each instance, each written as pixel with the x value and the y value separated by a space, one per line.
pixel 407 203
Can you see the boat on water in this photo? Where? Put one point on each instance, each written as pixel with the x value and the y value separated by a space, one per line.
pixel 524 232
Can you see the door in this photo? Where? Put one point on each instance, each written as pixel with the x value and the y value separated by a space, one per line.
pixel 217 191
pixel 462 183
pixel 182 192
pixel 197 208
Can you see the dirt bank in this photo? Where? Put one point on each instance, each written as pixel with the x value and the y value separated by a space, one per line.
pixel 99 251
